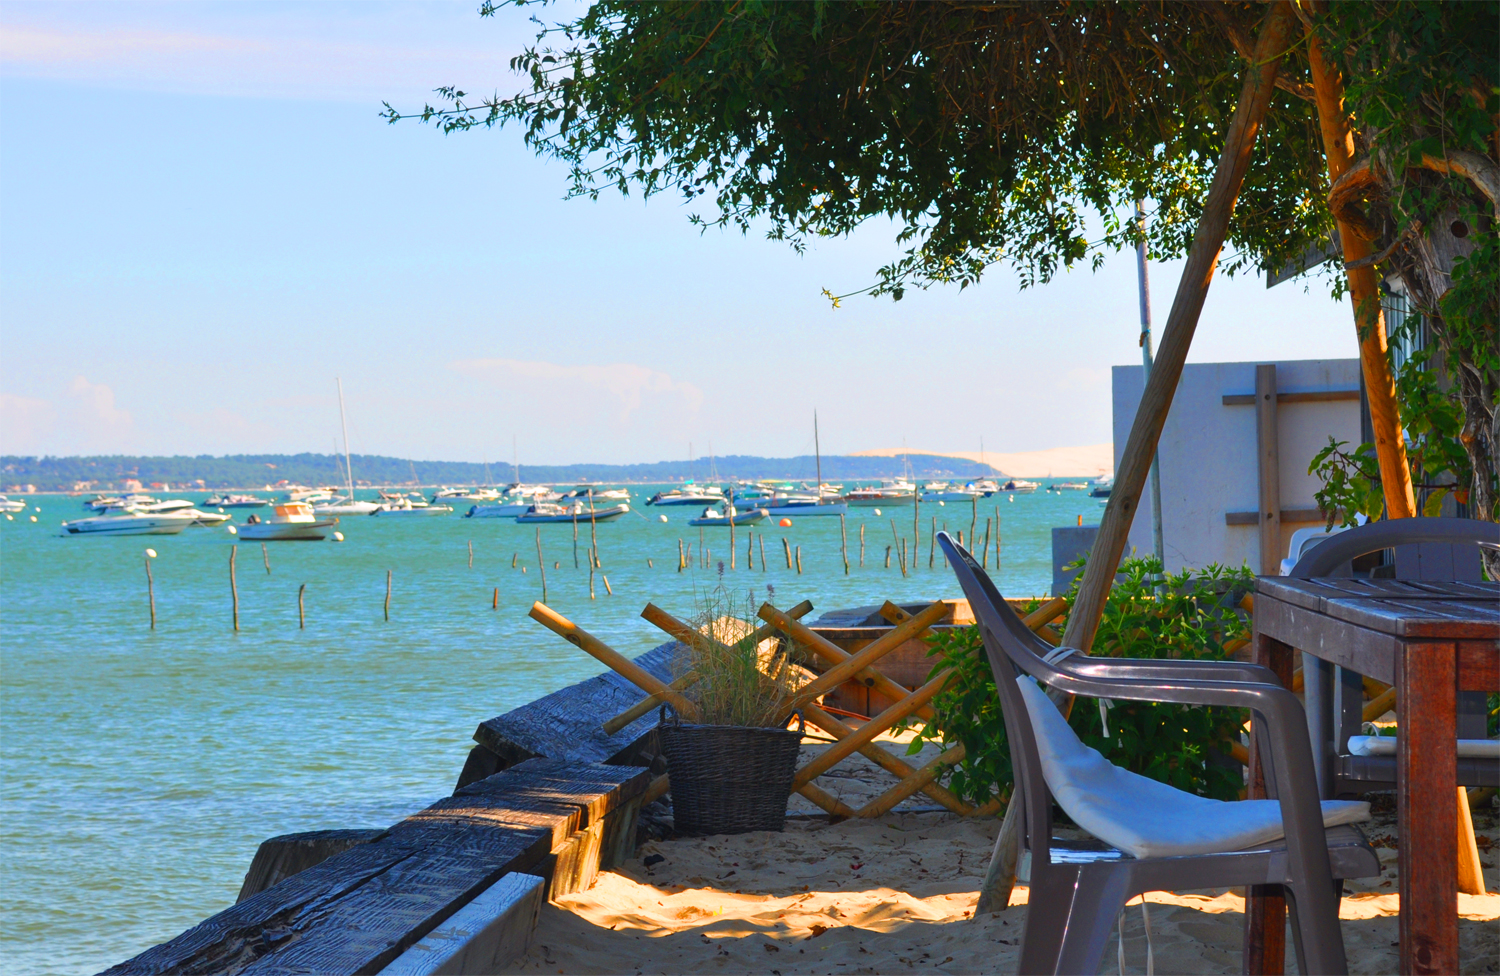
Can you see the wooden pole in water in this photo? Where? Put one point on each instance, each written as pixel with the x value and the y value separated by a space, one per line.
pixel 787 546
pixel 593 532
pixel 750 551
pixel 896 541
pixel 301 608
pixel 151 592
pixel 591 577
pixel 513 557
pixel 861 545
pixel 973 519
pixel 649 563
pixel 732 550
pixel 495 603
pixel 997 538
pixel 932 544
pixel 234 590
pixel 762 540
pixel 606 584
pixel 984 550
pixel 541 564
pixel 575 538
pixel 265 558
pixel 701 549
pixel 844 543
pixel 388 596
pixel 681 557
pixel 471 553
pixel 799 560
pixel 887 557
pixel 903 554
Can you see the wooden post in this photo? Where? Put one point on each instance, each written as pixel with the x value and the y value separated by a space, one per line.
pixel 234 590
pixel 733 551
pixel 932 544
pixel 513 557
pixel 623 666
pixel 575 539
pixel 1156 400
pixel 896 543
pixel 1364 291
pixel 495 601
pixel 904 563
pixel 265 558
pixel 649 564
pixel 151 592
pixel 593 533
pixel 787 547
pixel 973 519
pixel 1197 273
pixel 761 538
pixel 916 527
pixel 1268 464
pixel 301 609
pixel 681 556
pixel 591 576
pixel 541 566
pixel 861 545
pixel 1426 700
pixel 750 551
pixel 984 550
pixel 471 553
pixel 799 560
pixel 702 549
pixel 844 543
pixel 887 557
pixel 388 596
pixel 606 584
pixel 997 538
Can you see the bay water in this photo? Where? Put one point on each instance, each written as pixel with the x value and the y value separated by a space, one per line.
pixel 140 768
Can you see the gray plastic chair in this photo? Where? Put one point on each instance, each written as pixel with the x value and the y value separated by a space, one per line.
pixel 1078 891
pixel 1425 549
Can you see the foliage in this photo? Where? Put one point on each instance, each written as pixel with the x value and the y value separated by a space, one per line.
pixel 987 132
pixel 1190 615
pixel 738 681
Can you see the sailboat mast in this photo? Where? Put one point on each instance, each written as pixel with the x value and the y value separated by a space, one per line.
pixel 344 426
pixel 818 455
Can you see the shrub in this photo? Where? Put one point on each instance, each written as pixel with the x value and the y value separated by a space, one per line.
pixel 739 681
pixel 1191 615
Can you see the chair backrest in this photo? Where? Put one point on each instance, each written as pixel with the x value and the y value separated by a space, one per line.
pixel 1012 650
pixel 1399 534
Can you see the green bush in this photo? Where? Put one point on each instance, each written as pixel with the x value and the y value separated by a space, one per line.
pixel 1191 615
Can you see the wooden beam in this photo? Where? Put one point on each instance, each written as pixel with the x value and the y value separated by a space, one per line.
pixel 1309 396
pixel 621 665
pixel 1268 468
pixel 1364 291
pixel 1288 515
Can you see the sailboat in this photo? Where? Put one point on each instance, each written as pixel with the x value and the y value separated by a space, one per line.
pixel 347 505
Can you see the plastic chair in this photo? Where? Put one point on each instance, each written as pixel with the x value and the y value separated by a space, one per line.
pixel 1078 891
pixel 1425 549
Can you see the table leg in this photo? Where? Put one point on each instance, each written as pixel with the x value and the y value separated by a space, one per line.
pixel 1264 951
pixel 1426 806
pixel 1318 703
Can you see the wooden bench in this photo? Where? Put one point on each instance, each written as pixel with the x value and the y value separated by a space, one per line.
pixel 362 909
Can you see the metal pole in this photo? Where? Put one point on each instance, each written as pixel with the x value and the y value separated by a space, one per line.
pixel 1145 291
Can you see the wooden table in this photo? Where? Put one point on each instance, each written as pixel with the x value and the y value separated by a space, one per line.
pixel 1430 640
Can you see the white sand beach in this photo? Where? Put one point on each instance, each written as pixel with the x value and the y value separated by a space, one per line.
pixel 1090 460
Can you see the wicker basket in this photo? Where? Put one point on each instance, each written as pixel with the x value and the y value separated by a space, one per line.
pixel 729 779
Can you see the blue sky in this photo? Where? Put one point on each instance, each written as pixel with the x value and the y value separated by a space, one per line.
pixel 203 221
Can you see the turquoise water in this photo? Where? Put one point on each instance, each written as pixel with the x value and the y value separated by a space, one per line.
pixel 142 768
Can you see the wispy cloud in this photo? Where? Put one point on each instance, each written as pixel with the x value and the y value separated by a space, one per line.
pixel 95 404
pixel 630 386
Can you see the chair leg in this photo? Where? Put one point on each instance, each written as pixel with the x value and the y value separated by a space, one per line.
pixel 1047 919
pixel 1098 899
pixel 1316 934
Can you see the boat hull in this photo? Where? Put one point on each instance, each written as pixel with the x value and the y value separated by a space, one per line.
pixel 805 510
pixel 419 511
pixel 508 510
pixel 880 501
pixel 286 531
pixel 741 518
pixel 598 515
pixel 660 501
pixel 110 525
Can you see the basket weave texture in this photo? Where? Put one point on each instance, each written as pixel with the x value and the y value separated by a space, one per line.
pixel 729 779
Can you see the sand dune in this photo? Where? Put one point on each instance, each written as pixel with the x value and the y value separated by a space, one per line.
pixel 1090 460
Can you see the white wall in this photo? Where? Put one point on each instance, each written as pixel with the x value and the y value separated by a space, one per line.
pixel 1207 454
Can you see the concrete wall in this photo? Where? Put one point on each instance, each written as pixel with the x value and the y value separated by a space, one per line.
pixel 1068 543
pixel 1208 450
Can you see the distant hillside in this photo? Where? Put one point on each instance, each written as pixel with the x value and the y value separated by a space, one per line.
pixel 257 470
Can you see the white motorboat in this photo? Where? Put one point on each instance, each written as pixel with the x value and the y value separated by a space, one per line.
pixel 168 505
pixel 1019 486
pixel 547 512
pixel 206 519
pixel 505 509
pixel 688 495
pixel 11 505
pixel 406 508
pixel 776 504
pixel 459 495
pixel 101 503
pixel 890 492
pixel 597 493
pixel 227 500
pixel 729 516
pixel 129 521
pixel 291 521
pixel 342 505
pixel 311 495
pixel 1068 486
pixel 941 491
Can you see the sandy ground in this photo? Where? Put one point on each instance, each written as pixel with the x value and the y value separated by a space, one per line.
pixel 897 895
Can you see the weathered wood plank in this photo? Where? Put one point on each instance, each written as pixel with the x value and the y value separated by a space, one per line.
pixel 281 857
pixel 482 937
pixel 1426 808
pixel 566 724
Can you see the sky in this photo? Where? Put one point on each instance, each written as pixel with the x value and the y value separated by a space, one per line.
pixel 204 222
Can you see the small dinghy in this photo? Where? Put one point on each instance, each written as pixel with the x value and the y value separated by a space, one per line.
pixel 558 513
pixel 291 521
pixel 712 516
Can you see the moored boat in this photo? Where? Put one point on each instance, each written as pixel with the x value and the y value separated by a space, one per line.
pixel 129 521
pixel 290 521
pixel 227 500
pixel 548 512
pixel 406 508
pixel 688 495
pixel 730 516
pixel 890 492
pixel 1019 486
pixel 11 504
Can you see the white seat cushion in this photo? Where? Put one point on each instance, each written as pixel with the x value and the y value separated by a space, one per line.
pixel 1141 816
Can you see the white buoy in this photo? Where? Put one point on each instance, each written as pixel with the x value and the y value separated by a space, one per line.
pixel 1012 497
pixel 942 504
pixel 232 530
pixel 150 553
pixel 37 507
pixel 10 518
pixel 338 537
pixel 33 518
pixel 877 511
pixel 662 517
